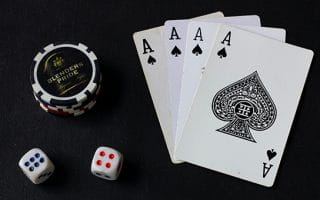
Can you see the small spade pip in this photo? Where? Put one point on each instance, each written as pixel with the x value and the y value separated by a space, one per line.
pixel 176 51
pixel 151 60
pixel 197 50
pixel 222 53
pixel 271 154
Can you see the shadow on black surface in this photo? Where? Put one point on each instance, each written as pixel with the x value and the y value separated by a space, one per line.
pixel 129 172
pixel 111 88
pixel 294 130
pixel 59 177
pixel 110 93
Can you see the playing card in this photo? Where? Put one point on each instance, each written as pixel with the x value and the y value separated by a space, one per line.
pixel 269 32
pixel 244 20
pixel 175 32
pixel 245 105
pixel 194 65
pixel 150 48
pixel 174 37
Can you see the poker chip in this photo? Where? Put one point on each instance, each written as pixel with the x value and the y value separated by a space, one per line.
pixel 71 107
pixel 67 111
pixel 74 111
pixel 66 79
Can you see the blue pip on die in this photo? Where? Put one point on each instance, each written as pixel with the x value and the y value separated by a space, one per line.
pixel 36 165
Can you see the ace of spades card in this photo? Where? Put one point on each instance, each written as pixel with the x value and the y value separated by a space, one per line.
pixel 199 40
pixel 195 66
pixel 151 51
pixel 153 61
pixel 174 38
pixel 245 105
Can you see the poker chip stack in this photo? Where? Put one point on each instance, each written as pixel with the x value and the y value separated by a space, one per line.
pixel 66 79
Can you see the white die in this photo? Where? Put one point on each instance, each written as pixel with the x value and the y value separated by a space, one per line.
pixel 36 165
pixel 106 163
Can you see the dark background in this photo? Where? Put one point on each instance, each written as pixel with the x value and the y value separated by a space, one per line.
pixel 124 117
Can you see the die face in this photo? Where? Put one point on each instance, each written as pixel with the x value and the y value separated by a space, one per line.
pixel 102 175
pixel 46 173
pixel 106 163
pixel 34 163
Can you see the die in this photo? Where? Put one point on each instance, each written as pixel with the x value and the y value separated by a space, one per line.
pixel 36 165
pixel 106 163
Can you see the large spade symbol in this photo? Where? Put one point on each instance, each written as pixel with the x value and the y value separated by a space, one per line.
pixel 244 104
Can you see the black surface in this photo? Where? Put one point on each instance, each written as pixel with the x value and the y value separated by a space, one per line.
pixel 124 117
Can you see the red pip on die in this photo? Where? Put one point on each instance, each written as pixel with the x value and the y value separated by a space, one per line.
pixel 106 163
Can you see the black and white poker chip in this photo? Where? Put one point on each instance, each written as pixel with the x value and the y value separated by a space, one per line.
pixel 66 78
pixel 70 111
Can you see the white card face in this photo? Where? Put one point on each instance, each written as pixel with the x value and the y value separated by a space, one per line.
pixel 244 20
pixel 245 105
pixel 150 48
pixel 174 36
pixel 194 66
pixel 199 40
pixel 175 40
pixel 273 33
